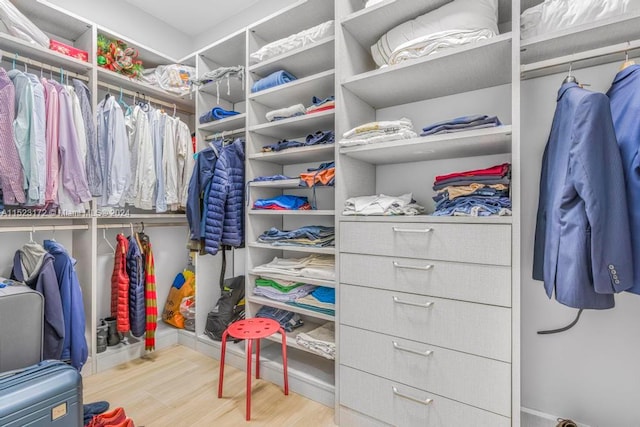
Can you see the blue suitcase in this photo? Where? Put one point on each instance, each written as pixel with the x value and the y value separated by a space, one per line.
pixel 44 395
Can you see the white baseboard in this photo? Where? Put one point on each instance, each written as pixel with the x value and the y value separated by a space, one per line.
pixel 533 418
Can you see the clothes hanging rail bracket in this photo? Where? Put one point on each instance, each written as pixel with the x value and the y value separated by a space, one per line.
pixel 14 57
pixel 146 98
pixel 589 58
pixel 218 135
pixel 35 228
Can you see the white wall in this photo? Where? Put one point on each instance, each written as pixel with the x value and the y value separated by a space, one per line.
pixel 129 21
pixel 234 23
pixel 590 373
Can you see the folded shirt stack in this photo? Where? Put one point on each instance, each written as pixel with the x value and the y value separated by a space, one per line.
pixel 310 236
pixel 319 137
pixel 276 78
pixel 323 175
pixel 294 41
pixel 320 341
pixel 283 202
pixel 281 290
pixel 382 205
pixel 318 104
pixel 461 124
pixel 287 319
pixel 216 113
pixel 321 300
pixel 315 265
pixel 285 113
pixel 382 131
pixel 481 192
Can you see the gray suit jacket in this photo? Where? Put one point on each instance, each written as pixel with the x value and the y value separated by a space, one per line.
pixel 582 243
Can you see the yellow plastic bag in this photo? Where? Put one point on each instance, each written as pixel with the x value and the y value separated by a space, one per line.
pixel 183 287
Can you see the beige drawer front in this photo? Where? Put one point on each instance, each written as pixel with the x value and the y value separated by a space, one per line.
pixel 477 243
pixel 478 381
pixel 487 284
pixel 479 329
pixel 403 406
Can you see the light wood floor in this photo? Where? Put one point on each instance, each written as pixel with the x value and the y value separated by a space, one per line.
pixel 178 387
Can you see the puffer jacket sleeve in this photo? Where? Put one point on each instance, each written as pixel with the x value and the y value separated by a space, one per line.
pixel 135 270
pixel 216 205
pixel 233 230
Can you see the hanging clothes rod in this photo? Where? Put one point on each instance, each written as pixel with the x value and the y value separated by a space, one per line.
pixel 142 97
pixel 223 134
pixel 8 56
pixel 43 228
pixel 589 58
pixel 146 224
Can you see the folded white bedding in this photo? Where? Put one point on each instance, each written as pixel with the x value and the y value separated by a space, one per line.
pixel 294 41
pixel 554 15
pixel 458 17
pixel 283 113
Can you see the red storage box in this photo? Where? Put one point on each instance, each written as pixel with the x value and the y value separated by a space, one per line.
pixel 68 50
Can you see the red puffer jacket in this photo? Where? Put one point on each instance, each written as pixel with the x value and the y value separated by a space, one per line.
pixel 120 285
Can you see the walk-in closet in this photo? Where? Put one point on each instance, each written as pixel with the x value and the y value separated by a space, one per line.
pixel 365 173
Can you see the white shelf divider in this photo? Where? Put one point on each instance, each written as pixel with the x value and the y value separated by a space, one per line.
pixel 297 92
pixel 290 156
pixel 312 212
pixel 229 123
pixel 301 62
pixel 480 142
pixel 299 125
pixel 277 304
pixel 329 250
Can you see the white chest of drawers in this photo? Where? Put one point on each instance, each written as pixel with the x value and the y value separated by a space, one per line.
pixel 425 324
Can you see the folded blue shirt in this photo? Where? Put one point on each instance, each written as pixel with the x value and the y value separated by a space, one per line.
pixel 284 201
pixel 324 294
pixel 216 113
pixel 459 124
pixel 276 78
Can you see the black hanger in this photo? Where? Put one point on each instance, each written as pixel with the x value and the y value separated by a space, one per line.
pixel 144 238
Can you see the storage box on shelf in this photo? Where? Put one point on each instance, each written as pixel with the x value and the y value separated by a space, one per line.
pixel 313 66
pixel 412 266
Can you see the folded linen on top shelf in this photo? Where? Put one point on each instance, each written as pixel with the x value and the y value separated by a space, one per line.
pixel 461 124
pixel 457 23
pixel 276 78
pixel 315 265
pixel 382 205
pixel 294 41
pixel 554 15
pixel 382 131
pixel 321 340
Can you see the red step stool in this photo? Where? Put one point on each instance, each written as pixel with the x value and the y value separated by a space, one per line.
pixel 250 330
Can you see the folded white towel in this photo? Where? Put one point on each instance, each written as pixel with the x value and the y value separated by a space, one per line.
pixel 286 112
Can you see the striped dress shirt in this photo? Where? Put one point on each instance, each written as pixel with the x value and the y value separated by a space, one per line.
pixel 11 175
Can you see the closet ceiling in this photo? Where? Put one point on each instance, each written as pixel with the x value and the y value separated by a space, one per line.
pixel 187 16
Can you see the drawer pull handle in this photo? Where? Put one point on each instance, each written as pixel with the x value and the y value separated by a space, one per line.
pixel 413 399
pixel 410 350
pixel 416 304
pixel 413 267
pixel 412 230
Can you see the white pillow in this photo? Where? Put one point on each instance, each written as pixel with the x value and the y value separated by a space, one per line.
pixel 458 16
pixel 554 15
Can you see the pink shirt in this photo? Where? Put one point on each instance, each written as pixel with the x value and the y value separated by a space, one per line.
pixel 52 104
pixel 11 175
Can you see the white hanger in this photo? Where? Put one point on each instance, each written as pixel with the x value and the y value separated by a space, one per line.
pixel 33 230
pixel 104 236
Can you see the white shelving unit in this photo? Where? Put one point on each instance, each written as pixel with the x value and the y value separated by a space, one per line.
pixel 313 65
pixel 472 79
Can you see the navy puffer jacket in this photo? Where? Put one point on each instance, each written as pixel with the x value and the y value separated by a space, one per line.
pixel 135 270
pixel 225 214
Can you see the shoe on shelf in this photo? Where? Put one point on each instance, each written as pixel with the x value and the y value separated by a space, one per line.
pixel 111 418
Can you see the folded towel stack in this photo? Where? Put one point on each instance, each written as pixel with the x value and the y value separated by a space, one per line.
pixel 382 205
pixel 374 132
pixel 216 113
pixel 276 78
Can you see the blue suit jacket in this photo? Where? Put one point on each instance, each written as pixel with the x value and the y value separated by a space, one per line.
pixel 582 244
pixel 625 110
